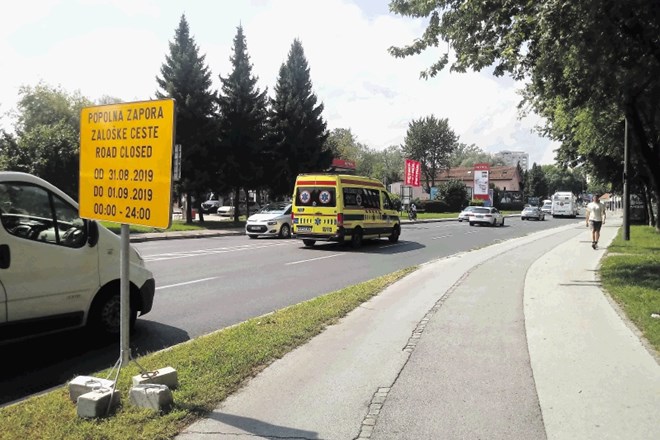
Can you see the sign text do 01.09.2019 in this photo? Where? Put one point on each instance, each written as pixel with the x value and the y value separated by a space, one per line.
pixel 126 162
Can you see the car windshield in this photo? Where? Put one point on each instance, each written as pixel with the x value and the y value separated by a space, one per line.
pixel 274 208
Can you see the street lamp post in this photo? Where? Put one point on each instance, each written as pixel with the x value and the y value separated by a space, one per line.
pixel 626 189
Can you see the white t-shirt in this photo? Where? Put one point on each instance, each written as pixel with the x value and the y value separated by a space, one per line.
pixel 596 210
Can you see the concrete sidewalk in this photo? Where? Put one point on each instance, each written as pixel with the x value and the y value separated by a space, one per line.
pixel 512 341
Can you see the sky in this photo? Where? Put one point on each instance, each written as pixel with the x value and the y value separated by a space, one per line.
pixel 116 48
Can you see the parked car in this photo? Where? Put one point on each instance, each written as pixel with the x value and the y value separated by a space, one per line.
pixel 486 216
pixel 211 205
pixel 228 210
pixel 465 213
pixel 532 212
pixel 60 271
pixel 273 220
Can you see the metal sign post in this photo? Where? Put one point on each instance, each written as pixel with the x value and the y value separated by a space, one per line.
pixel 126 177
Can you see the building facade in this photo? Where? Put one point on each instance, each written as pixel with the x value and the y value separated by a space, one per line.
pixel 513 158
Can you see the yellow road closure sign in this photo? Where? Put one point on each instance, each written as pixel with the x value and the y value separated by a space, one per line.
pixel 126 162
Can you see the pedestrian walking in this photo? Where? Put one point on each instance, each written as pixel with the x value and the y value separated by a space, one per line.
pixel 595 218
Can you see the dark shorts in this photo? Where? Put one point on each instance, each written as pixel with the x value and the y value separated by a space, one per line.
pixel 595 225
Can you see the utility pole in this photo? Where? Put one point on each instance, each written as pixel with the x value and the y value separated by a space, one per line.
pixel 626 189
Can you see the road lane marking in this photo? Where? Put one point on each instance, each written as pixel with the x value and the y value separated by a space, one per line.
pixel 442 236
pixel 312 259
pixel 203 252
pixel 186 283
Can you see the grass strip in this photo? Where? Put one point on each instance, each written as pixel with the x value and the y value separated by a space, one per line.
pixel 209 368
pixel 630 273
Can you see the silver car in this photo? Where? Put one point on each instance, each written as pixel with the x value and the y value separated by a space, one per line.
pixel 273 220
pixel 465 213
pixel 532 212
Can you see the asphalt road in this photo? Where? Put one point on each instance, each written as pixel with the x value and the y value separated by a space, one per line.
pixel 208 284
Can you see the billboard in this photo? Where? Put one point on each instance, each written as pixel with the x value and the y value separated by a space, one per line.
pixel 412 172
pixel 481 171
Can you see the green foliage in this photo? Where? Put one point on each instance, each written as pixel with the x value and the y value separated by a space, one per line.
pixel 476 202
pixel 586 66
pixel 298 132
pixel 431 142
pixel 242 124
pixel 536 184
pixel 437 206
pixel 465 156
pixel 186 78
pixel 48 133
pixel 563 179
pixel 454 193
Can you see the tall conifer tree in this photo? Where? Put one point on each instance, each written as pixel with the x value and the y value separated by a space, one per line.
pixel 242 124
pixel 186 78
pixel 297 129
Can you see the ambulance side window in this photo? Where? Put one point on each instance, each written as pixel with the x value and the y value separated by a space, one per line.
pixel 372 197
pixel 387 203
pixel 353 197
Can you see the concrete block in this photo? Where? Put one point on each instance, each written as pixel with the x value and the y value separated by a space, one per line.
pixel 162 376
pixel 95 403
pixel 84 384
pixel 153 396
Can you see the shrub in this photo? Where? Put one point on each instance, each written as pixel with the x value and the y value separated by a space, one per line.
pixel 437 206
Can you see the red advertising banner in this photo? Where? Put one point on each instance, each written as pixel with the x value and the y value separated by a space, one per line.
pixel 480 189
pixel 412 173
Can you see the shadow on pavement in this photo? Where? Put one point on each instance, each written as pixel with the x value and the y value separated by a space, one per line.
pixel 263 429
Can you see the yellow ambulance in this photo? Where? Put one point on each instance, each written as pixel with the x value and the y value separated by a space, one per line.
pixel 343 208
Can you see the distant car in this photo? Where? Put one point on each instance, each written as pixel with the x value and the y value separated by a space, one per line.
pixel 486 216
pixel 228 211
pixel 547 207
pixel 465 213
pixel 273 220
pixel 532 212
pixel 211 205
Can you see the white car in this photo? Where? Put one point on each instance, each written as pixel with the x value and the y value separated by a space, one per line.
pixel 465 213
pixel 228 211
pixel 547 207
pixel 273 220
pixel 486 216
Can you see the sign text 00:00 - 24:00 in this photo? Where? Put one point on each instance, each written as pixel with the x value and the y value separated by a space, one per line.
pixel 130 212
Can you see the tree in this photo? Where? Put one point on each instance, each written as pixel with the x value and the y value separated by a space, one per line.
pixel 535 183
pixel 465 156
pixel 186 78
pixel 242 124
pixel 454 193
pixel 430 141
pixel 47 136
pixel 563 179
pixel 585 63
pixel 297 130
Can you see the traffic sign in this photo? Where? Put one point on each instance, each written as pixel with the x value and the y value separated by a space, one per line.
pixel 126 162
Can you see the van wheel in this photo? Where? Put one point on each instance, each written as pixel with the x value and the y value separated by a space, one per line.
pixel 309 243
pixel 356 238
pixel 285 231
pixel 396 232
pixel 105 314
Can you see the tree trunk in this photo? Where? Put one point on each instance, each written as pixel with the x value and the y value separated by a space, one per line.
pixel 189 218
pixel 237 203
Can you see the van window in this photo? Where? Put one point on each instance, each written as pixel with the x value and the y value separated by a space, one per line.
pixel 387 203
pixel 316 196
pixel 32 213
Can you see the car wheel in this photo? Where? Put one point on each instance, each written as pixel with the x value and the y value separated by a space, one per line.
pixel 309 243
pixel 460 220
pixel 285 231
pixel 356 238
pixel 252 236
pixel 471 223
pixel 522 218
pixel 105 314
pixel 396 232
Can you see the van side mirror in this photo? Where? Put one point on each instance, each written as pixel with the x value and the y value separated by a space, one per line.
pixel 92 233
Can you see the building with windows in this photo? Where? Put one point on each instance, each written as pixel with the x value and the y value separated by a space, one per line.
pixel 506 179
pixel 513 158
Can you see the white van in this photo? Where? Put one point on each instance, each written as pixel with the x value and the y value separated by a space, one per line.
pixel 58 271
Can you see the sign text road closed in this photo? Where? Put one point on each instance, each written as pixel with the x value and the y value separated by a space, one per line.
pixel 126 162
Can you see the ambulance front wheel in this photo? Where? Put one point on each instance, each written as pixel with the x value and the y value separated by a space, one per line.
pixel 396 231
pixel 309 243
pixel 356 239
